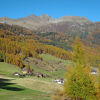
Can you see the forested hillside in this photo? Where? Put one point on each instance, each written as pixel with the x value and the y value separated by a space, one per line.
pixel 19 43
pixel 14 48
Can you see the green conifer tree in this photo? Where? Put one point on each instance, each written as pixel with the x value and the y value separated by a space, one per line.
pixel 78 53
pixel 79 84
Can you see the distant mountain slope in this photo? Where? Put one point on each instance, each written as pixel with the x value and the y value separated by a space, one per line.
pixel 86 31
pixel 6 30
pixel 34 22
pixel 68 26
pixel 31 22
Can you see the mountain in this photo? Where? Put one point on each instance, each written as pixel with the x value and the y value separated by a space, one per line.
pixel 87 32
pixel 9 30
pixel 34 22
pixel 31 22
pixel 63 29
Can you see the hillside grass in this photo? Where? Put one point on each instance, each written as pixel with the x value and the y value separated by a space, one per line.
pixel 60 72
pixel 27 88
pixel 30 88
pixel 27 94
pixel 37 84
pixel 52 75
pixel 11 91
pixel 8 69
pixel 49 58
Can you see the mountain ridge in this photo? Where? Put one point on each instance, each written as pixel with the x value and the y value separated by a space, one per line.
pixel 68 26
pixel 34 22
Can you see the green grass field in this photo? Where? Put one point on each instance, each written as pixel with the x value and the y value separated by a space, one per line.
pixel 28 88
pixel 8 69
pixel 60 72
pixel 50 58
pixel 11 91
pixel 50 65
pixel 53 75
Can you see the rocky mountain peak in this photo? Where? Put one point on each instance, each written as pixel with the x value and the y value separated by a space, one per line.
pixel 33 22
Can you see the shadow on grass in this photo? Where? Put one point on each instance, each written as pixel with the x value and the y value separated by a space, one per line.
pixel 5 84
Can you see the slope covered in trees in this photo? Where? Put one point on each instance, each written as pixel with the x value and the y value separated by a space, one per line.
pixel 25 43
pixel 15 48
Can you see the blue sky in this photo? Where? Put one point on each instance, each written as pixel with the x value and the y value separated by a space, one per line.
pixel 54 8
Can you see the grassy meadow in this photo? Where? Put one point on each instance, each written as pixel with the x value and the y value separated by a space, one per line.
pixel 29 87
pixel 12 91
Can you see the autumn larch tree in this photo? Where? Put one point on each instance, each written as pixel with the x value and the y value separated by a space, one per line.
pixel 79 84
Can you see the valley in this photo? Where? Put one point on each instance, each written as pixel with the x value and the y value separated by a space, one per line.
pixel 36 51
